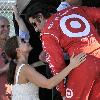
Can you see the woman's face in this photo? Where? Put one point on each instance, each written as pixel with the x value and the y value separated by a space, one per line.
pixel 24 46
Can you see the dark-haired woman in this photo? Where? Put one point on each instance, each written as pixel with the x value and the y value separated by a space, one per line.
pixel 25 80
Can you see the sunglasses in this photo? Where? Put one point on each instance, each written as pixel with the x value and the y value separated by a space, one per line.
pixel 24 41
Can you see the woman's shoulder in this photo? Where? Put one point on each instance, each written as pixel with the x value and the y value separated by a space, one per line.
pixel 28 68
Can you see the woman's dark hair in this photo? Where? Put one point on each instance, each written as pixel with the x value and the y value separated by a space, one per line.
pixel 38 7
pixel 10 50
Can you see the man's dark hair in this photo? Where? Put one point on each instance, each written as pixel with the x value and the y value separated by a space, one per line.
pixel 38 7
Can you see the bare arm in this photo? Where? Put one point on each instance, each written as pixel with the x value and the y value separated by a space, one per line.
pixel 19 20
pixel 23 31
pixel 41 81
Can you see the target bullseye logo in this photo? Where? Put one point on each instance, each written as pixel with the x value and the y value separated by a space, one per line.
pixel 69 93
pixel 74 25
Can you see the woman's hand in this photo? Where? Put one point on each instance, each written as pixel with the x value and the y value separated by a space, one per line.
pixel 42 56
pixel 75 61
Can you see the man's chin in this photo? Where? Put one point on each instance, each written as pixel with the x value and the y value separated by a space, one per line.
pixel 36 30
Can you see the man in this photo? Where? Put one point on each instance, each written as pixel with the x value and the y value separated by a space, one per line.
pixel 64 4
pixel 70 30
pixel 4 35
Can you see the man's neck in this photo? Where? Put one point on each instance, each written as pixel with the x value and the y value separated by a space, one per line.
pixel 63 0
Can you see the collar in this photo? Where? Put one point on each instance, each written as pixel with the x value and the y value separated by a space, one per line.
pixel 65 3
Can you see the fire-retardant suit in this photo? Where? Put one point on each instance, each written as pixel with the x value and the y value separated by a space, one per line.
pixel 72 30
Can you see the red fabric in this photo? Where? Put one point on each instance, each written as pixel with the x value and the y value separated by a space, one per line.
pixel 95 94
pixel 72 30
pixel 4 87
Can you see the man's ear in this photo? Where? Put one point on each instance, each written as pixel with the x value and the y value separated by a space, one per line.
pixel 40 17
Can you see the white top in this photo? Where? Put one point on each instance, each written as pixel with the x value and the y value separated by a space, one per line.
pixel 63 5
pixel 26 91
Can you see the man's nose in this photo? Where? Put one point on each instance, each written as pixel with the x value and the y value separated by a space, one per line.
pixel 6 28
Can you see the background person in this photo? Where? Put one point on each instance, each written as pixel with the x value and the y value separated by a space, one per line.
pixel 23 31
pixel 4 36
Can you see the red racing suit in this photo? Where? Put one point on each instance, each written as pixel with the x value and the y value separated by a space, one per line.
pixel 72 30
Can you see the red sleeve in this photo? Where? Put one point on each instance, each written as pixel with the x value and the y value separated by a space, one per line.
pixel 93 13
pixel 98 26
pixel 55 57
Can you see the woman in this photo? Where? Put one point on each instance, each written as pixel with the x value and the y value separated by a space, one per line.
pixel 26 79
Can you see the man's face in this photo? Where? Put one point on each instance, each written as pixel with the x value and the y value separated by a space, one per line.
pixel 37 23
pixel 74 2
pixel 4 31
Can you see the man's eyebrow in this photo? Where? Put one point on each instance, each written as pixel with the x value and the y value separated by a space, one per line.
pixel 5 25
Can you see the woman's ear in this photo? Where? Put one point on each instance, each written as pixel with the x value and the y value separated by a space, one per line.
pixel 17 50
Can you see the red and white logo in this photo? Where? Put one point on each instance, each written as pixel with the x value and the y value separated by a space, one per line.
pixel 69 93
pixel 75 25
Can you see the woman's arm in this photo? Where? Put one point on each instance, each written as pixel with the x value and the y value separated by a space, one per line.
pixel 33 76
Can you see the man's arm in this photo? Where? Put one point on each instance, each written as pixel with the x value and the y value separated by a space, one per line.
pixel 93 13
pixel 55 57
